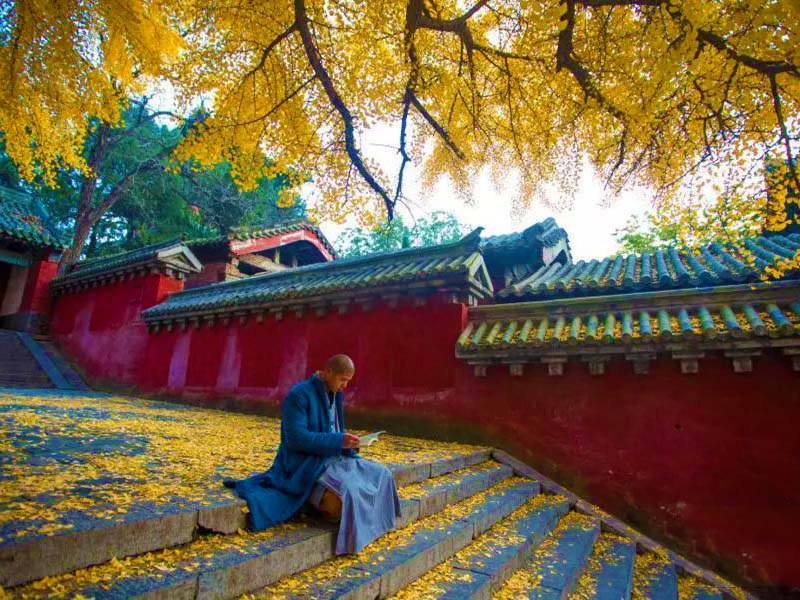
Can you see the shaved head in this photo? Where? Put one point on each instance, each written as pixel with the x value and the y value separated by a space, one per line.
pixel 338 371
pixel 340 364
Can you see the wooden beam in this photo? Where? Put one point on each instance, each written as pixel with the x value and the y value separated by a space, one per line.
pixel 641 362
pixel 689 361
pixel 742 359
pixel 555 364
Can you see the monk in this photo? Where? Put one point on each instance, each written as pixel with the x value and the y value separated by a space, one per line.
pixel 317 462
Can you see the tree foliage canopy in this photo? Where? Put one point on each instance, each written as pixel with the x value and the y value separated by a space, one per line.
pixel 674 94
pixel 151 203
pixel 646 233
pixel 437 228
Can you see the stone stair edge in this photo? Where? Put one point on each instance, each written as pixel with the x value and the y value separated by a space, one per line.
pixel 503 564
pixel 44 360
pixel 314 540
pixel 385 583
pixel 610 523
pixel 168 529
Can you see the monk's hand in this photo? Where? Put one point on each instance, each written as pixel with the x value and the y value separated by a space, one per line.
pixel 350 441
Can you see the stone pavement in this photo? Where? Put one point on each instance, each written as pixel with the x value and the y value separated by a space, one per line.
pixel 111 497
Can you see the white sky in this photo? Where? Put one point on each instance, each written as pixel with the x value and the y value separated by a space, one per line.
pixel 590 221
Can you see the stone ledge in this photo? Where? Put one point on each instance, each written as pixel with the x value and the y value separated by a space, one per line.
pixel 386 570
pixel 612 524
pixel 60 553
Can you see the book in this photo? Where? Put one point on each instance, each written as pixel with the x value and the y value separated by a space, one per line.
pixel 370 438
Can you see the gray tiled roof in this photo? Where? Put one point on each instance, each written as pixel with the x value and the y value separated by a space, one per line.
pixel 546 232
pixel 458 264
pixel 668 268
pixel 159 253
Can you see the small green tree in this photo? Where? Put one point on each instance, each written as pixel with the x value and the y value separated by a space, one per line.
pixel 437 228
pixel 645 234
pixel 133 198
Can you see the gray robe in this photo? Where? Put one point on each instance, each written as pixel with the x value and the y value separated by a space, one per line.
pixel 370 505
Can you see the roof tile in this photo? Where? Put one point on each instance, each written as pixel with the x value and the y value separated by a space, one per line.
pixel 663 269
pixel 23 219
pixel 161 252
pixel 459 262
pixel 611 327
pixel 250 233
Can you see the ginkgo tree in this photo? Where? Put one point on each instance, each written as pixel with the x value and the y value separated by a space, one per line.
pixel 678 95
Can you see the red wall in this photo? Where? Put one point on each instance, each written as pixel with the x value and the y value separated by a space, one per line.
pixel 36 297
pixel 101 328
pixel 708 463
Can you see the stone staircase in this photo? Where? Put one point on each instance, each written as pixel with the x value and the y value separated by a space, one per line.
pixel 33 361
pixel 473 526
pixel 18 367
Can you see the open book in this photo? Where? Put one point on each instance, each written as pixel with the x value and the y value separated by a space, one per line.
pixel 366 440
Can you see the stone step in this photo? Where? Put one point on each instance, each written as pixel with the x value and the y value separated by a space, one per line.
pixel 396 560
pixel 45 361
pixel 555 566
pixel 231 561
pixel 609 571
pixel 485 564
pixel 19 366
pixel 67 371
pixel 433 494
pixel 654 577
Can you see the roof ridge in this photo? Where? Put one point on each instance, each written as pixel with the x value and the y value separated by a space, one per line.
pixel 471 239
pixel 236 233
pixel 720 262
pixel 94 261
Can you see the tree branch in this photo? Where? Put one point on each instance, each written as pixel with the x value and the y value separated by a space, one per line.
pixel 314 57
pixel 776 100
pixel 405 159
pixel 767 67
pixel 565 58
pixel 436 126
pixel 269 48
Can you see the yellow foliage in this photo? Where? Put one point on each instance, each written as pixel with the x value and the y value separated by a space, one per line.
pixel 188 451
pixel 678 95
pixel 66 62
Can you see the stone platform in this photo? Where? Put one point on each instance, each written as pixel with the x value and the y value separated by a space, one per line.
pixel 112 497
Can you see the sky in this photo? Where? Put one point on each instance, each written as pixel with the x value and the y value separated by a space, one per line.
pixel 590 221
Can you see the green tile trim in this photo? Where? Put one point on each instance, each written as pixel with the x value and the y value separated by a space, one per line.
pixel 683 324
pixel 23 219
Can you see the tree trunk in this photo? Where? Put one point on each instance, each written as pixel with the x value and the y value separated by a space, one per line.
pixel 92 249
pixel 83 225
pixel 89 213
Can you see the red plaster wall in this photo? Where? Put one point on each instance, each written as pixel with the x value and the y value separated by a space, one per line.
pixel 211 273
pixel 36 297
pixel 101 328
pixel 707 463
